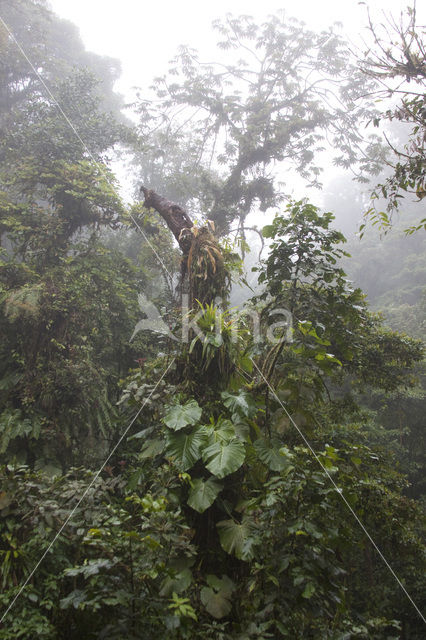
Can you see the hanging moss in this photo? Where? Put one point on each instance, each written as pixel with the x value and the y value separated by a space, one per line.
pixel 208 276
pixel 206 362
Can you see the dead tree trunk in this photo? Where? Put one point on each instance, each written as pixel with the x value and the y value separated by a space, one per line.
pixel 202 259
pixel 175 217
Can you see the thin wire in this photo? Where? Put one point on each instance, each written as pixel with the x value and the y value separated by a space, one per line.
pixel 340 493
pixel 83 144
pixel 85 147
pixel 95 477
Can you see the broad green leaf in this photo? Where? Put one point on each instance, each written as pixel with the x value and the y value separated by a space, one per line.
pixel 216 597
pixel 185 449
pixel 270 455
pixel 223 458
pixel 217 604
pixel 176 584
pixel 180 415
pixel 152 448
pixel 224 584
pixel 237 538
pixel 241 403
pixel 309 590
pixel 242 429
pixel 203 493
pixel 223 431
pixel 269 231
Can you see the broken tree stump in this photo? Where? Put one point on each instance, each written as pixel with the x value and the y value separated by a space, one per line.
pixel 202 257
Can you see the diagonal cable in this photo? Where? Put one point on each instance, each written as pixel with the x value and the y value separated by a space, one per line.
pixel 83 144
pixel 339 491
pixel 86 491
pixel 101 169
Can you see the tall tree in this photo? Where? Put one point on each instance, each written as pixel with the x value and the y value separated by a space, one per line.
pixel 50 46
pixel 68 305
pixel 220 132
pixel 396 58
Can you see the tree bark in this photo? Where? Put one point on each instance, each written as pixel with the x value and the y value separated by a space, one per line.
pixel 203 268
pixel 175 217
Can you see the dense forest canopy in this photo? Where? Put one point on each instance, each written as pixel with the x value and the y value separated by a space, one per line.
pixel 396 59
pixel 173 466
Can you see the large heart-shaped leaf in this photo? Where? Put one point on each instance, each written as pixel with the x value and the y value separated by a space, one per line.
pixel 177 583
pixel 241 428
pixel 217 596
pixel 237 538
pixel 217 604
pixel 203 493
pixel 224 584
pixel 241 403
pixel 152 448
pixel 180 415
pixel 270 455
pixel 223 430
pixel 222 458
pixel 185 449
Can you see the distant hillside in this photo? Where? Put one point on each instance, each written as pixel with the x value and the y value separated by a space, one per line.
pixel 390 269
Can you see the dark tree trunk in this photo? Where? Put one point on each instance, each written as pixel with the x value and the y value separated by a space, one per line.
pixel 207 281
pixel 175 217
pixel 202 260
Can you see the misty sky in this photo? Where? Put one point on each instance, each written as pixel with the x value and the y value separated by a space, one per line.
pixel 144 35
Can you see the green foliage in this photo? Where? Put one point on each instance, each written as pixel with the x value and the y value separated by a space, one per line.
pixel 241 403
pixel 391 270
pixel 53 45
pixel 203 493
pixel 212 520
pixel 185 448
pixel 12 426
pixel 68 345
pixel 217 348
pixel 182 608
pixel 68 304
pixel 213 133
pixel 221 450
pixel 179 416
pixel 217 596
pixel 237 537
pixel 398 53
pixel 224 457
pixel 304 276
pixel 217 521
pixel 113 554
pixel 271 455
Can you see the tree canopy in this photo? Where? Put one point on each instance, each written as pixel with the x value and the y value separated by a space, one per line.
pixel 396 59
pixel 171 466
pixel 216 132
